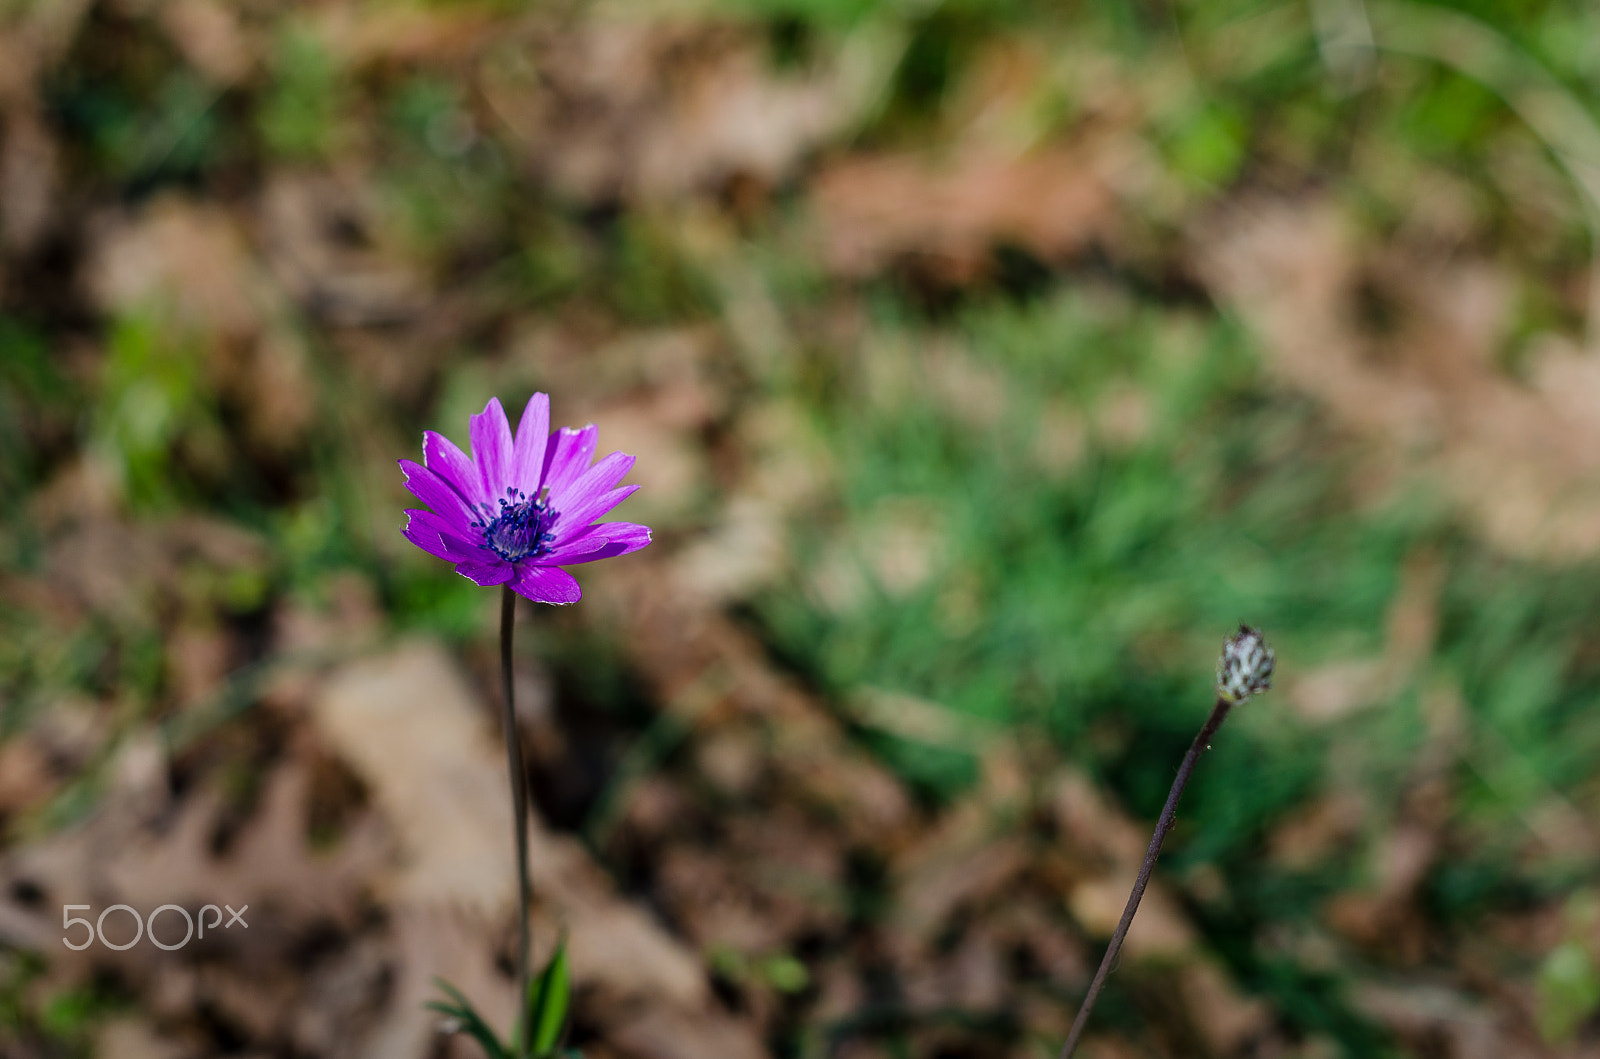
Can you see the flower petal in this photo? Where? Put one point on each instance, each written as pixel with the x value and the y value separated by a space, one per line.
pixel 527 452
pixel 577 551
pixel 437 536
pixel 546 584
pixel 430 542
pixel 453 465
pixel 491 448
pixel 580 496
pixel 567 457
pixel 604 540
pixel 574 520
pixel 497 572
pixel 444 498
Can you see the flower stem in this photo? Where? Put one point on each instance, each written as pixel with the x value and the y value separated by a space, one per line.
pixel 519 809
pixel 1169 812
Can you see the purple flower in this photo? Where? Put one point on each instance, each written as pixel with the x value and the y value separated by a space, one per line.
pixel 519 510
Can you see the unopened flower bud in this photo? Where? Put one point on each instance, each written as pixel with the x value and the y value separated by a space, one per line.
pixel 1245 667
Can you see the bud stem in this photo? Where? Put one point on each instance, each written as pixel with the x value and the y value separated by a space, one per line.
pixel 1169 813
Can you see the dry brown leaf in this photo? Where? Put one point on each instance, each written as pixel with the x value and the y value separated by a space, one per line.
pixel 856 1048
pixel 973 977
pixel 932 886
pixel 28 178
pixel 731 758
pixel 186 254
pixel 623 950
pixel 1316 831
pixel 1525 462
pixel 34 39
pixel 716 906
pixel 359 36
pixel 1334 690
pixel 1470 1028
pixel 208 34
pixel 671 471
pixel 1122 416
pixel 655 805
pixel 444 943
pixel 1097 1047
pixel 1160 931
pixel 1026 922
pixel 25 774
pixel 1059 439
pixel 82 488
pixel 974 392
pixel 1225 1018
pixel 840 990
pixel 405 721
pixel 903 542
pixel 970 855
pixel 896 547
pixel 653 110
pixel 1404 859
pixel 17 70
pixel 675 641
pixel 122 569
pixel 354 990
pixel 1089 823
pixel 341 618
pixel 306 223
pixel 791 465
pixel 283 399
pixel 874 210
pixel 745 552
pixel 144 850
pixel 1106 842
pixel 111 568
pixel 132 1038
pixel 662 1033
pixel 1385 914
pixel 198 657
pixel 270 861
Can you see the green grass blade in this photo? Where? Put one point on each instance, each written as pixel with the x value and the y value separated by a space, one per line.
pixel 548 998
pixel 471 1023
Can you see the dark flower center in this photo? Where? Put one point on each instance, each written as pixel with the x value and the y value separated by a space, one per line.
pixel 517 530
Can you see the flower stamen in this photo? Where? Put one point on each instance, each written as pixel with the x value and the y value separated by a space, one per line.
pixel 517 530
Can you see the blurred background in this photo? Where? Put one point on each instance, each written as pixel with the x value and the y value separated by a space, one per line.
pixel 986 364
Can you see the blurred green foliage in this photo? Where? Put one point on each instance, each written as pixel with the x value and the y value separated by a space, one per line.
pixel 1569 990
pixel 30 385
pixel 298 117
pixel 151 397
